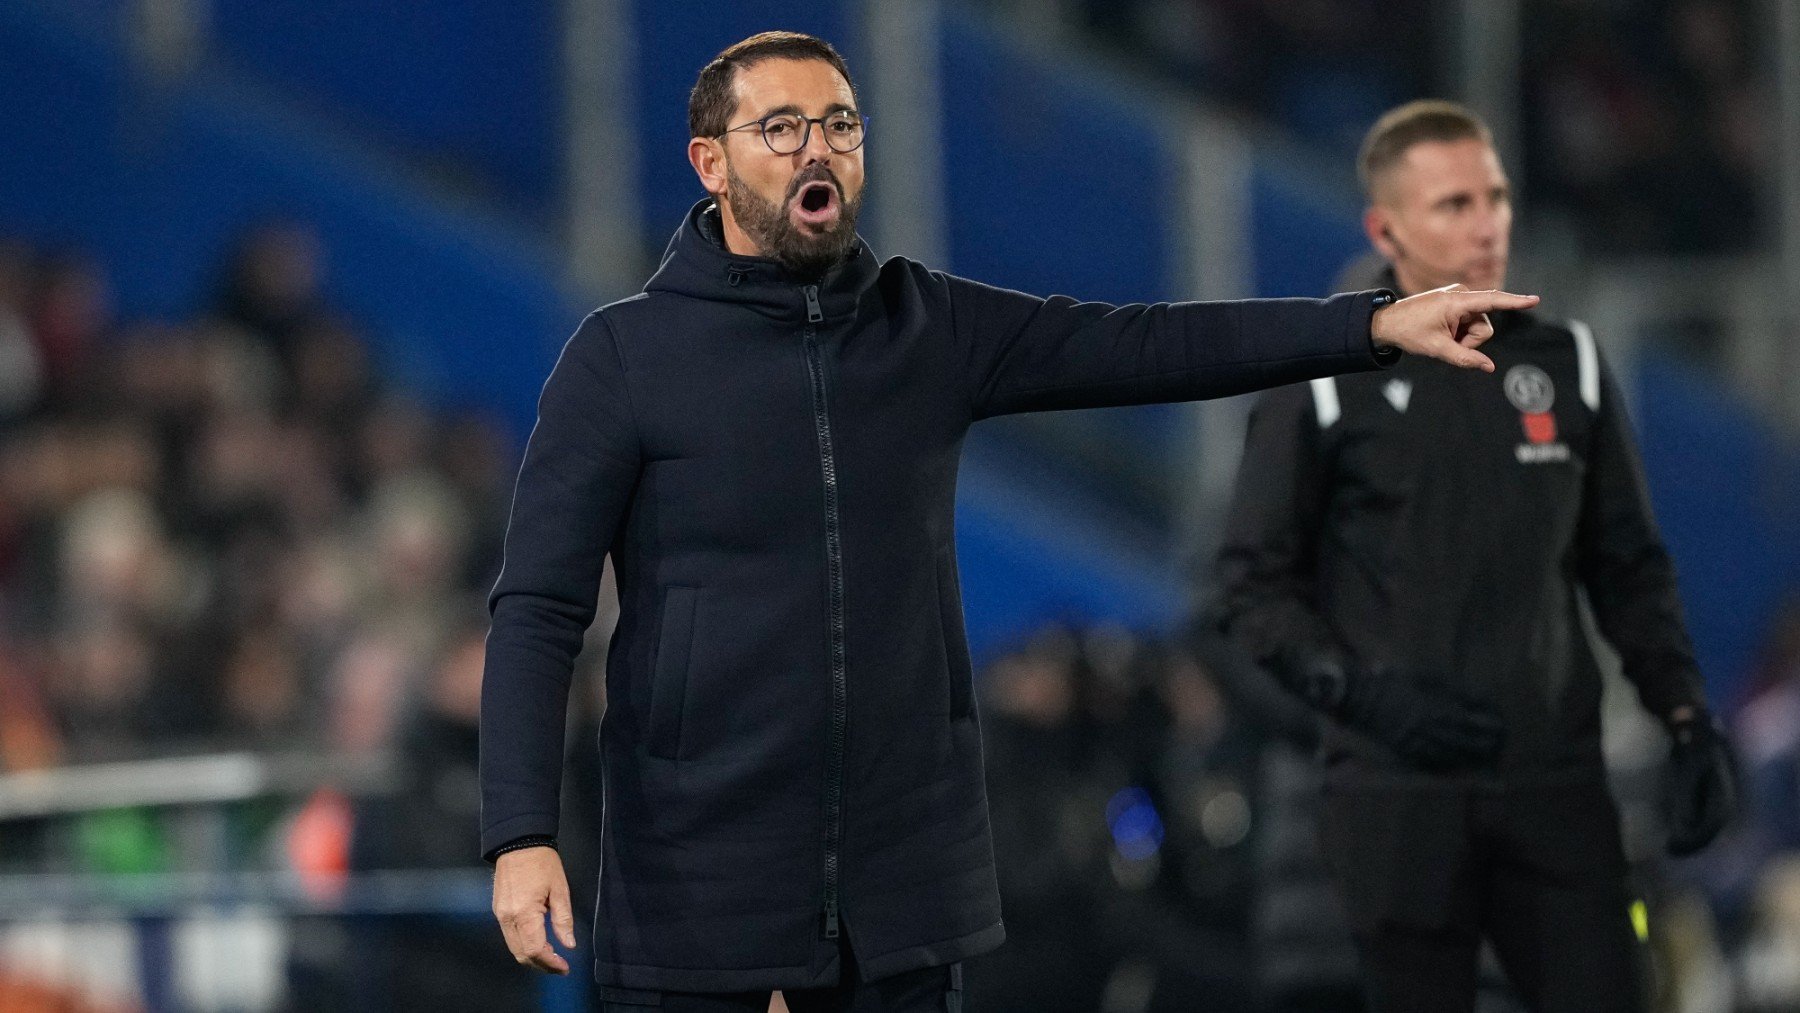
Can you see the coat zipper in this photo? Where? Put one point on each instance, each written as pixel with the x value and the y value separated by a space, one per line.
pixel 834 566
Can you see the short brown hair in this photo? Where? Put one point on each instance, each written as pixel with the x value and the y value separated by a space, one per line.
pixel 714 99
pixel 1418 122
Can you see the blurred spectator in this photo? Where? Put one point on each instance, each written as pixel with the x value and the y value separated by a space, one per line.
pixel 70 310
pixel 1645 121
pixel 1767 730
pixel 22 368
pixel 1323 68
pixel 438 963
pixel 1184 900
pixel 1768 727
pixel 1047 798
pixel 1769 967
pixel 272 285
pixel 224 532
pixel 1120 799
pixel 1304 958
pixel 227 534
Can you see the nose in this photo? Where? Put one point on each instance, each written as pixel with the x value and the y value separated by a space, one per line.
pixel 816 150
pixel 1487 226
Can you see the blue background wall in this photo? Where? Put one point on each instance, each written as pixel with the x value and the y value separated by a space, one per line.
pixel 456 309
pixel 1054 185
pixel 477 82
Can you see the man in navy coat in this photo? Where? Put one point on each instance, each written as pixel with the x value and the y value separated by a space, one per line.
pixel 766 442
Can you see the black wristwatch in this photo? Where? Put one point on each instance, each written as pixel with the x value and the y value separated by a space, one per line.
pixel 1385 355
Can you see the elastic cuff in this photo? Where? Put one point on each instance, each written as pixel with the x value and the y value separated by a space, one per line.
pixel 505 830
pixel 530 841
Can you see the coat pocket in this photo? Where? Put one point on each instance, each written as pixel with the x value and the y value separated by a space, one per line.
pixel 669 675
pixel 956 641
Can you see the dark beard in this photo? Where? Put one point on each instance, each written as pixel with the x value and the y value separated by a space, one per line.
pixel 806 254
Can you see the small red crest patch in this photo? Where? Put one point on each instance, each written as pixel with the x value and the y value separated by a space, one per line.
pixel 1540 427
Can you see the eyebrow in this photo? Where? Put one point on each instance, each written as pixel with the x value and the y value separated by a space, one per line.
pixel 793 110
pixel 1498 188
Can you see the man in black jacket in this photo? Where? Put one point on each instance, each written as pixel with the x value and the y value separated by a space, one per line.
pixel 766 442
pixel 1405 552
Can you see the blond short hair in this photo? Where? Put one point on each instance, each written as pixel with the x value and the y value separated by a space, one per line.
pixel 1400 128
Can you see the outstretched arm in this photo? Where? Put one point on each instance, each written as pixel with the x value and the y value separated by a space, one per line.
pixel 1023 353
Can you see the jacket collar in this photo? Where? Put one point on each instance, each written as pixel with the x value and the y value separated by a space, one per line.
pixel 696 264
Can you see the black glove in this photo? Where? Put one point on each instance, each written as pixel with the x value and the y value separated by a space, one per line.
pixel 1700 789
pixel 1430 726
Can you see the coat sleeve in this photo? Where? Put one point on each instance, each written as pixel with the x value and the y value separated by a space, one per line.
pixel 578 474
pixel 1029 354
pixel 1267 566
pixel 1627 572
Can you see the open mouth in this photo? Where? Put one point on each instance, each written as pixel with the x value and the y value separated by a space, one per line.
pixel 816 203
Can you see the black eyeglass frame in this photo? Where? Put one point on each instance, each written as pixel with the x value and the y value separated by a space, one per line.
pixel 806 130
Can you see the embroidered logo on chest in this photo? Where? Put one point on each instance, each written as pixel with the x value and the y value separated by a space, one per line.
pixel 1531 391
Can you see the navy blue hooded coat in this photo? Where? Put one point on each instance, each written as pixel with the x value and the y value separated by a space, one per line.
pixel 790 749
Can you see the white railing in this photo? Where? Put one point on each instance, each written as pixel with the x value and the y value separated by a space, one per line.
pixel 187 780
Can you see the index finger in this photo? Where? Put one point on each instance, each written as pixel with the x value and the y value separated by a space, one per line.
pixel 1493 299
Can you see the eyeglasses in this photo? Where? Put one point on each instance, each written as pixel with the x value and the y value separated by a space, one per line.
pixel 786 133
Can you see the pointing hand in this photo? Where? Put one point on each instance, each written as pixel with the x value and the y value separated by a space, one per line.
pixel 1447 323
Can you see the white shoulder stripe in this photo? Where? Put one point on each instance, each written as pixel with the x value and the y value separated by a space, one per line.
pixel 1325 401
pixel 1587 363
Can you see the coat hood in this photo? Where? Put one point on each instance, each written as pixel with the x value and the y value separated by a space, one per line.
pixel 696 264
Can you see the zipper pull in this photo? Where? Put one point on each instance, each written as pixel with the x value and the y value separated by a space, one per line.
pixel 813 313
pixel 831 922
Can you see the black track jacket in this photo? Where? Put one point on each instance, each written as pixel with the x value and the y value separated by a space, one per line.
pixel 790 749
pixel 1439 522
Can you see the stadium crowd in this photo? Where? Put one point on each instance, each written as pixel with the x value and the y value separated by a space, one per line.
pixel 225 530
pixel 228 533
pixel 1641 119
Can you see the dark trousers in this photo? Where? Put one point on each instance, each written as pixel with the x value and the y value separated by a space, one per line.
pixel 1427 872
pixel 930 990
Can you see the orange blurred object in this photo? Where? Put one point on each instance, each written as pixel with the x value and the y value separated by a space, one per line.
pixel 28 739
pixel 20 996
pixel 318 843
